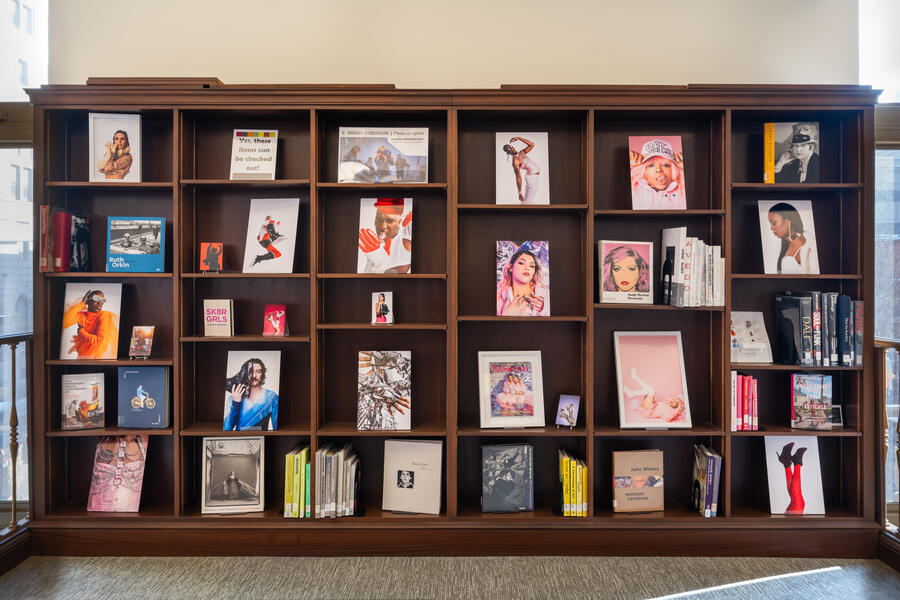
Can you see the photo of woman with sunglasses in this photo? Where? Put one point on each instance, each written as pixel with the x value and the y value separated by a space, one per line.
pixel 90 324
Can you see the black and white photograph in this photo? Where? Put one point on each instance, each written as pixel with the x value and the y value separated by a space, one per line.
pixel 384 390
pixel 134 236
pixel 233 469
pixel 788 237
pixel 795 152
pixel 406 479
pixel 115 147
pixel 506 484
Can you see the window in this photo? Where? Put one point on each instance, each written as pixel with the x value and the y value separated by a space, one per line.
pixel 14 192
pixel 15 13
pixel 29 22
pixel 23 72
pixel 27 182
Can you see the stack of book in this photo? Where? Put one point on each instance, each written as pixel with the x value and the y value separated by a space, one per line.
pixel 337 482
pixel 705 485
pixel 693 272
pixel 297 488
pixel 744 402
pixel 573 483
pixel 818 329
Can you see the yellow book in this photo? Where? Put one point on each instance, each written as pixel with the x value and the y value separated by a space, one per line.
pixel 584 483
pixel 567 503
pixel 769 152
pixel 579 490
pixel 299 503
pixel 288 483
pixel 573 486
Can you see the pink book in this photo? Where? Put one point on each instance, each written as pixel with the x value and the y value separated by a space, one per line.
pixel 748 401
pixel 755 415
pixel 739 426
pixel 118 474
pixel 275 321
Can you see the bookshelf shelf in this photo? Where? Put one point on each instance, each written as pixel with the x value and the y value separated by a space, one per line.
pixel 446 310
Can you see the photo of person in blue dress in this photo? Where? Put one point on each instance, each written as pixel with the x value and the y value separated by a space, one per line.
pixel 251 394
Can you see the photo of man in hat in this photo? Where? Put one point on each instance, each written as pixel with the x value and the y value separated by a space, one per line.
pixel 800 164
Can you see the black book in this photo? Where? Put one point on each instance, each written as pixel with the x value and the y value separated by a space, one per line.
pixel 507 478
pixel 815 298
pixel 668 271
pixel 833 328
pixel 845 328
pixel 788 339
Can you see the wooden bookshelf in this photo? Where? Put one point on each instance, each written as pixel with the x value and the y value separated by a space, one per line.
pixel 446 312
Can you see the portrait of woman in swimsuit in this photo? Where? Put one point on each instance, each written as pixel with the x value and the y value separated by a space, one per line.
pixel 521 162
pixel 788 238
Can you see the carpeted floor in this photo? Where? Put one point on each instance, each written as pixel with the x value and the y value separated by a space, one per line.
pixel 438 578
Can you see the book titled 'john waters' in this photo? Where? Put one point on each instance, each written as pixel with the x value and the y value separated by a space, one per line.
pixel 144 397
pixel 637 480
pixel 135 244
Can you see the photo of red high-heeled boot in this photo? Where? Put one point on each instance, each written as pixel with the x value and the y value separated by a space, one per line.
pixel 785 459
pixel 797 503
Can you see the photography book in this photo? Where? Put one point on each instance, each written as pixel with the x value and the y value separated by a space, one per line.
pixel 385 235
pixel 795 475
pixel 382 155
pixel 271 235
pixel 114 147
pixel 523 278
pixel 218 317
pixel 705 480
pixel 144 397
pixel 637 480
pixel 211 257
pixel 522 168
pixel 811 401
pixel 788 237
pixel 384 390
pixel 141 341
pixel 791 152
pixel 657 172
pixel 90 322
pixel 626 272
pixel 253 153
pixel 252 384
pixel 412 476
pixel 233 478
pixel 83 400
pixel 118 475
pixel 749 340
pixel 275 320
pixel 507 478
pixel 135 244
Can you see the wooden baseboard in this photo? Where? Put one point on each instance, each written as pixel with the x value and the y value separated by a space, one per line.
pixel 836 543
pixel 16 548
pixel 889 550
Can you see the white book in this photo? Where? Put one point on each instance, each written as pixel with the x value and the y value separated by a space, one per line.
pixel 354 463
pixel 412 476
pixel 320 482
pixel 734 418
pixel 786 494
pixel 218 318
pixel 253 153
pixel 688 271
pixel 83 399
pixel 749 339
pixel 271 235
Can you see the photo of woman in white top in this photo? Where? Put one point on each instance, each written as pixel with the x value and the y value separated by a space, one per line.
pixel 794 251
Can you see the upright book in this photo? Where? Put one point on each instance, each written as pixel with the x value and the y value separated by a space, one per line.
pixel 90 323
pixel 118 476
pixel 788 237
pixel 749 339
pixel 412 476
pixel 83 401
pixel 253 153
pixel 218 317
pixel 385 235
pixel 657 172
pixel 382 155
pixel 795 475
pixel 507 478
pixel 637 480
pixel 233 475
pixel 251 390
pixel 384 390
pixel 211 259
pixel 791 152
pixel 135 245
pixel 275 320
pixel 811 401
pixel 114 147
pixel 523 278
pixel 522 168
pixel 144 397
pixel 626 272
pixel 271 235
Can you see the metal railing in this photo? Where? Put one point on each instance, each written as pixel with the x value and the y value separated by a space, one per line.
pixel 882 347
pixel 13 342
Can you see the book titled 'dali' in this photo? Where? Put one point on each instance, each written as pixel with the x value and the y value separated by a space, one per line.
pixel 144 397
pixel 412 476
pixel 637 480
pixel 217 317
pixel 507 478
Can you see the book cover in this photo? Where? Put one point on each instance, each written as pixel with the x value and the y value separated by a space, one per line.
pixel 90 322
pixel 807 357
pixel 845 331
pixel 62 240
pixel 141 341
pixel 211 257
pixel 810 409
pixel 275 320
pixel 80 245
pixel 507 478
pixel 788 340
pixel 833 326
pixel 135 244
pixel 791 152
pixel 385 235
pixel 564 483
pixel 788 236
pixel 715 483
pixel 233 475
pixel 657 172
pixel 83 401
pixel 382 155
pixel 567 411
pixel 700 475
pixel 637 480
pixel 271 235
pixel 114 147
pixel 523 278
pixel 384 390
pixel 218 320
pixel 511 388
pixel 522 166
pixel 144 397
pixel 672 260
pixel 749 339
pixel 858 321
pixel 118 474
pixel 289 483
pixel 626 272
pixel 251 390
pixel 795 475
pixel 382 308
pixel 253 153
pixel 412 476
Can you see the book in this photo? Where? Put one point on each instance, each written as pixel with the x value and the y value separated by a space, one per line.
pixel 45 230
pixel 523 278
pixel 510 388
pixel 507 478
pixel 135 244
pixel 218 317
pixel 114 147
pixel 749 339
pixel 211 259
pixel 831 306
pixel 233 475
pixel 626 272
pixel 382 155
pixel 637 480
pixel 251 390
pixel 701 474
pixel 673 244
pixel 522 164
pixel 384 390
pixel 90 322
pixel 795 475
pixel 788 237
pixel 275 320
pixel 80 245
pixel 564 483
pixel 412 476
pixel 715 484
pixel 385 235
pixel 791 152
pixel 141 341
pixel 253 153
pixel 844 331
pixel 118 474
pixel 271 235
pixel 83 401
pixel 289 483
pixel 858 331
pixel 810 407
pixel 567 411
pixel 143 397
pixel 657 172
pixel 62 240
pixel 382 308
pixel 301 482
pixel 788 340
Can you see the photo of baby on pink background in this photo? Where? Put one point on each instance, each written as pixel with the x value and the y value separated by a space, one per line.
pixel 651 382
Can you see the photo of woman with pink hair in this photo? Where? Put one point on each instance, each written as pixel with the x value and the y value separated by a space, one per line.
pixel 626 271
pixel 657 173
pixel 523 279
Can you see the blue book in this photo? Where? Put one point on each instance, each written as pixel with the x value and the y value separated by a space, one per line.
pixel 144 397
pixel 135 245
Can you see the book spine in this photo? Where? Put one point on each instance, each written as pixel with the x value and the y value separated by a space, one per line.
pixel 567 506
pixel 707 496
pixel 710 276
pixel 844 333
pixel 319 483
pixel 834 326
pixel 806 334
pixel 576 471
pixel 793 399
pixel 816 299
pixel 573 487
pixel 739 413
pixel 308 489
pixel 62 241
pixel 858 322
pixel 300 482
pixel 748 400
pixel 687 271
pixel 769 152
pixel 755 409
pixel 584 486
pixel 826 343
pixel 734 401
pixel 288 484
pixel 715 486
pixel 530 478
pixel 45 262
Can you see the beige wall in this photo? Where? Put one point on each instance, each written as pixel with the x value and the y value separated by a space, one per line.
pixel 458 43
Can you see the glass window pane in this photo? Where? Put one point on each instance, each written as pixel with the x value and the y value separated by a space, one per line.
pixel 6 377
pixel 25 49
pixel 887 244
pixel 16 244
pixel 892 410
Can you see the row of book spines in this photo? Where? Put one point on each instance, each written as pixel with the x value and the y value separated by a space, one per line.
pixel 713 474
pixel 695 271
pixel 573 480
pixel 831 329
pixel 744 402
pixel 338 476
pixel 56 233
pixel 297 471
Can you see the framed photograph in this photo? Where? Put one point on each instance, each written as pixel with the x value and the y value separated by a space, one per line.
pixel 523 168
pixel 382 308
pixel 251 390
pixel 837 416
pixel 382 155
pixel 788 237
pixel 233 474
pixel 385 235
pixel 567 411
pixel 141 341
pixel 271 235
pixel 511 390
pixel 657 172
pixel 626 272
pixel 651 380
pixel 115 147
pixel 90 322
pixel 523 278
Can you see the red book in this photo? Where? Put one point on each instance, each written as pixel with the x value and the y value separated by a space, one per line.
pixel 45 262
pixel 62 241
pixel 275 320
pixel 755 411
pixel 740 403
pixel 748 401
